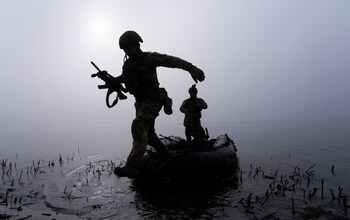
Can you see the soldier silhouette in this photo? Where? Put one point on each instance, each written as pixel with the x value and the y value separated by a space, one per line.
pixel 140 78
pixel 192 108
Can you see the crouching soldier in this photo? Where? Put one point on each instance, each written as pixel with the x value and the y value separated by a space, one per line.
pixel 192 108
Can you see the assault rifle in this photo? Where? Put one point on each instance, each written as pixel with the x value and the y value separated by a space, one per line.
pixel 111 84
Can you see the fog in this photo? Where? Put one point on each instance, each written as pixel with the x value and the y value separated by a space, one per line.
pixel 263 60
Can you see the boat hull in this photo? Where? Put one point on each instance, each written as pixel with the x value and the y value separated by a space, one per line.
pixel 214 160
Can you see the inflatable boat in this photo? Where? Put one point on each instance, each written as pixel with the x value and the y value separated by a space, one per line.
pixel 211 161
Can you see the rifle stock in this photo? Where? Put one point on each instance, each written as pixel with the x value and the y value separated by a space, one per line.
pixel 102 87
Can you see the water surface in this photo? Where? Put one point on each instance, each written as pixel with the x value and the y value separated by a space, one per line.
pixel 289 159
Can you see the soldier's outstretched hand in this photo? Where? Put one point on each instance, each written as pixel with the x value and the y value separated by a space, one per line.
pixel 197 74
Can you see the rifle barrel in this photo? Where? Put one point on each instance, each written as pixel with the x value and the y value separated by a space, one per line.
pixel 95 66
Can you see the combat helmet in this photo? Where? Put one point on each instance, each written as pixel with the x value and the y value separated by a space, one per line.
pixel 193 89
pixel 129 39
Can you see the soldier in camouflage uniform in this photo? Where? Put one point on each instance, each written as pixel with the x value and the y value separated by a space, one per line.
pixel 140 78
pixel 192 108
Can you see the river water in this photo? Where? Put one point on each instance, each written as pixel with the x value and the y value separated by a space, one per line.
pixel 288 170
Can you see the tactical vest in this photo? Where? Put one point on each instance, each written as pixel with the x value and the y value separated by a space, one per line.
pixel 141 77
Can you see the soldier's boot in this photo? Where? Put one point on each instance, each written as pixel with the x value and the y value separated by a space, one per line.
pixel 127 171
pixel 133 162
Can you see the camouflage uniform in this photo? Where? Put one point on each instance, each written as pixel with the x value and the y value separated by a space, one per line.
pixel 192 108
pixel 140 78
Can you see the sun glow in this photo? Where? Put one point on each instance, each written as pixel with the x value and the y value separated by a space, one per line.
pixel 99 24
pixel 100 29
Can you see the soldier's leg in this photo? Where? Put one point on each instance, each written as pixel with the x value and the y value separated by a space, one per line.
pixel 203 134
pixel 155 142
pixel 197 129
pixel 188 129
pixel 153 138
pixel 145 116
pixel 188 133
pixel 139 134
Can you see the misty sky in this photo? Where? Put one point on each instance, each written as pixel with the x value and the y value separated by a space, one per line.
pixel 263 60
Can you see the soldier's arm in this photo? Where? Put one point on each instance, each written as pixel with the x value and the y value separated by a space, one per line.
pixel 205 105
pixel 202 103
pixel 170 61
pixel 175 62
pixel 120 78
pixel 184 107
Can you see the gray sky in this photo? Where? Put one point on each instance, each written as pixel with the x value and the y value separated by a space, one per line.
pixel 263 60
